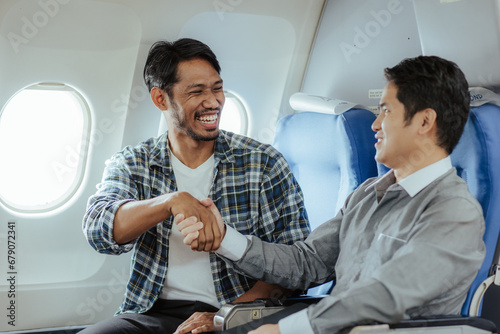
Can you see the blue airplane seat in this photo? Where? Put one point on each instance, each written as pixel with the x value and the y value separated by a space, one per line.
pixel 330 155
pixel 477 160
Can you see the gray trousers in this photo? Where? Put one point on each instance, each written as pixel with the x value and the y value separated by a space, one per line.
pixel 164 317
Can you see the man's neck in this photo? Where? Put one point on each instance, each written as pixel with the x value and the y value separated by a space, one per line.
pixel 411 167
pixel 192 153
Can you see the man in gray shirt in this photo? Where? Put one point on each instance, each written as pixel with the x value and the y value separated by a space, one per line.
pixel 405 244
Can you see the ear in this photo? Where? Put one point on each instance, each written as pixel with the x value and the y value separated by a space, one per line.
pixel 427 120
pixel 160 98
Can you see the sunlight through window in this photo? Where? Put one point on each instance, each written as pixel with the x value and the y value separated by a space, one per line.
pixel 43 147
pixel 234 115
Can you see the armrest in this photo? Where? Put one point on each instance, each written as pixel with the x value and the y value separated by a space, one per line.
pixel 232 315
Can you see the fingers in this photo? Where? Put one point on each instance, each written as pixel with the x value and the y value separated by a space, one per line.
pixel 199 243
pixel 189 228
pixel 199 322
pixel 188 225
pixel 190 238
pixel 205 237
pixel 207 202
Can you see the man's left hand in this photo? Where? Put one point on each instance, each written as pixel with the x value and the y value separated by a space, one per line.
pixel 199 322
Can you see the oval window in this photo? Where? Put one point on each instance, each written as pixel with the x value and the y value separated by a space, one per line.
pixel 234 115
pixel 44 131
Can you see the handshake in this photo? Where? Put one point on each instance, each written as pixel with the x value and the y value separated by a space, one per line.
pixel 202 235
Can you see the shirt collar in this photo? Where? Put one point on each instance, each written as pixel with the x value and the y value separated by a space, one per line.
pixel 161 151
pixel 417 181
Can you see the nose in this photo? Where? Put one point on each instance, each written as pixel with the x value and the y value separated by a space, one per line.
pixel 211 101
pixel 377 123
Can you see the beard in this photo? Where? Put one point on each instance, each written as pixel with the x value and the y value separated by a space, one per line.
pixel 182 123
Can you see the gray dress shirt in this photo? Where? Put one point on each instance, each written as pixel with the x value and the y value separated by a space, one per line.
pixel 396 253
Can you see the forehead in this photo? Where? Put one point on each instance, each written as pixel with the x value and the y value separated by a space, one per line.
pixel 197 71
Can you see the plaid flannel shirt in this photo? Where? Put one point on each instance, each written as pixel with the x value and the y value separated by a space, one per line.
pixel 253 188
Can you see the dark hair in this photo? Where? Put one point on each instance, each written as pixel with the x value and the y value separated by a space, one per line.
pixel 433 82
pixel 164 57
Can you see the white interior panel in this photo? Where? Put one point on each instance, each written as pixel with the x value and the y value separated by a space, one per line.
pixel 89 46
pixel 355 42
pixel 466 32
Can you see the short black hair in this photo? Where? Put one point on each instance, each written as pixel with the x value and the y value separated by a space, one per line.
pixel 433 82
pixel 164 58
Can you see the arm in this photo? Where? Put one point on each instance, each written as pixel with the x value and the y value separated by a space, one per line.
pixel 408 284
pixel 122 210
pixel 134 218
pixel 429 274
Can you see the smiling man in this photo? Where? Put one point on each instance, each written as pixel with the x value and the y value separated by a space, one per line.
pixel 406 244
pixel 171 288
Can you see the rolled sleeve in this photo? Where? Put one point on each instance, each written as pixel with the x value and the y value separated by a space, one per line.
pixel 116 188
pixel 98 227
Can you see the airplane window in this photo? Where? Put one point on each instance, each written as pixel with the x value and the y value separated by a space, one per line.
pixel 43 147
pixel 234 115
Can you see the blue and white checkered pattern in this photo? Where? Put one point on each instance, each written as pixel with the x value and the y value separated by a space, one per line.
pixel 253 189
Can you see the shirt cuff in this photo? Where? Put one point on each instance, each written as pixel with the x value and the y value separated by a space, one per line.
pixel 296 323
pixel 234 244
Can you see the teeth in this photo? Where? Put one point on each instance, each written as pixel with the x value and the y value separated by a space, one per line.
pixel 208 119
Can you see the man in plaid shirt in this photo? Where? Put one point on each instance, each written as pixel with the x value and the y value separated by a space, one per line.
pixel 171 288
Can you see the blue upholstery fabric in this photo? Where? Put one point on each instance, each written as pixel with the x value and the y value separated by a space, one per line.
pixel 477 159
pixel 330 155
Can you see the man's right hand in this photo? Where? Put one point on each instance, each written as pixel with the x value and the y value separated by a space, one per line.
pixel 191 227
pixel 208 237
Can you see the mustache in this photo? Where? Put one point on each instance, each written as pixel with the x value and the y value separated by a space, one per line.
pixel 206 111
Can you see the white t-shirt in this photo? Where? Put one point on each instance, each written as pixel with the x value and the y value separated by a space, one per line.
pixel 189 276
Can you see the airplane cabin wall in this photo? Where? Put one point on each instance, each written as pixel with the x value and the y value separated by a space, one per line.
pixel 85 45
pixel 267 49
pixel 99 48
pixel 466 32
pixel 356 40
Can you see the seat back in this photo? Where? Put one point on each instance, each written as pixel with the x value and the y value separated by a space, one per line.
pixel 330 155
pixel 477 160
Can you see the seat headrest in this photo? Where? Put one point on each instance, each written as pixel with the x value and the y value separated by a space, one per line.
pixel 306 102
pixel 480 96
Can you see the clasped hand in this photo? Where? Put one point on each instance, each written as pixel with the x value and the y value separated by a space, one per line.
pixel 204 235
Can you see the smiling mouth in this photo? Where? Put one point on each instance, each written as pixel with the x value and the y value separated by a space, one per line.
pixel 207 119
